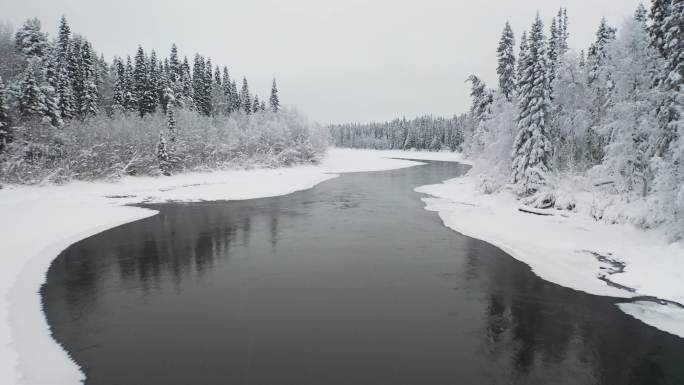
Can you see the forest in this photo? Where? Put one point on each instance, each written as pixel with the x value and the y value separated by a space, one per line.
pixel 597 130
pixel 66 113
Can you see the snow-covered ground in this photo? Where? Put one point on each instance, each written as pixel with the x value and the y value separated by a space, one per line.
pixel 572 250
pixel 37 223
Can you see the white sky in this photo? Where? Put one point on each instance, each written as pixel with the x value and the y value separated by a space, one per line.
pixel 337 61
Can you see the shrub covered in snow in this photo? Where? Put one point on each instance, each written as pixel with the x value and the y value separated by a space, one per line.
pixel 102 147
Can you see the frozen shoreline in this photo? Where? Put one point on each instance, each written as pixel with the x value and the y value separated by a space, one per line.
pixel 40 222
pixel 572 250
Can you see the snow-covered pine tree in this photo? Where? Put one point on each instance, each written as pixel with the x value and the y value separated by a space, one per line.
pixel 198 86
pixel 236 102
pixel 641 14
pixel 30 40
pixel 660 9
pixel 143 89
pixel 89 103
pixel 227 92
pixel 506 62
pixel 245 98
pixel 532 148
pixel 64 83
pixel 563 32
pixel 256 105
pixel 552 49
pixel 263 105
pixel 5 120
pixel 481 98
pixel 31 98
pixel 130 100
pixel 208 83
pixel 163 155
pixel 170 116
pixel 155 84
pixel 522 57
pixel 186 96
pixel 274 100
pixel 49 87
pixel 119 100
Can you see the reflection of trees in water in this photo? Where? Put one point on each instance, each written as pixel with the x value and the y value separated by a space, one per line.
pixel 181 242
pixel 540 333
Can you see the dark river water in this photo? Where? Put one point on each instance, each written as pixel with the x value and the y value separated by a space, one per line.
pixel 351 282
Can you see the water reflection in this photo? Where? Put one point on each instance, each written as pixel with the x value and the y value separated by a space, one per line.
pixel 348 283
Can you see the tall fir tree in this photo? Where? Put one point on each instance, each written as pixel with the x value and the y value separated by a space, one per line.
pixel 30 40
pixel 227 92
pixel 89 103
pixel 5 120
pixel 532 148
pixel 31 98
pixel 198 84
pixel 506 62
pixel 522 57
pixel 130 100
pixel 274 100
pixel 245 98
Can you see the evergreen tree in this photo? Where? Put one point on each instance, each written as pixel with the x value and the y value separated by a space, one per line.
pixel 227 92
pixel 208 81
pixel 256 105
pixel 187 93
pixel 563 33
pixel 641 14
pixel 660 10
pixel 532 148
pixel 482 98
pixel 5 120
pixel 63 39
pixel 263 105
pixel 144 91
pixel 31 98
pixel 274 101
pixel 129 94
pixel 552 49
pixel 506 62
pixel 198 84
pixel 236 102
pixel 30 40
pixel 64 89
pixel 522 57
pixel 89 102
pixel 163 155
pixel 119 99
pixel 245 98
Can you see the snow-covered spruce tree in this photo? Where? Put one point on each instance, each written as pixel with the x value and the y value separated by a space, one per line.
pixel 119 71
pixel 130 100
pixel 660 9
pixel 482 99
pixel 227 92
pixel 600 85
pixel 669 163
pixel 274 101
pixel 5 120
pixel 235 97
pixel 256 105
pixel 30 40
pixel 522 57
pixel 64 87
pixel 506 62
pixel 142 86
pixel 31 98
pixel 198 86
pixel 532 148
pixel 163 155
pixel 49 88
pixel 245 98
pixel 208 81
pixel 90 97
pixel 630 123
pixel 552 49
pixel 641 14
pixel 563 32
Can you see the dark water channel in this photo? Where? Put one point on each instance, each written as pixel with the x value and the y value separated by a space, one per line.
pixel 351 282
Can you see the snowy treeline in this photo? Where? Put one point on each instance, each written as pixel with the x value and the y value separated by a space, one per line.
pixel 422 133
pixel 67 113
pixel 600 132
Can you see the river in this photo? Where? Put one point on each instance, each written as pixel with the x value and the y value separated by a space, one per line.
pixel 351 282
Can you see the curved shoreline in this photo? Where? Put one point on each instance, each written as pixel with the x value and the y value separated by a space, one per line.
pixel 40 222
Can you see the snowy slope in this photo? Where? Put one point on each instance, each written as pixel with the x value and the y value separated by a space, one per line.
pixel 37 223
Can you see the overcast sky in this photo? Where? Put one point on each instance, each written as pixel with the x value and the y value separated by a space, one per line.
pixel 337 61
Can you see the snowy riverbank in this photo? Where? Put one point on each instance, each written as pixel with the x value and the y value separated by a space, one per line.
pixel 573 250
pixel 37 223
